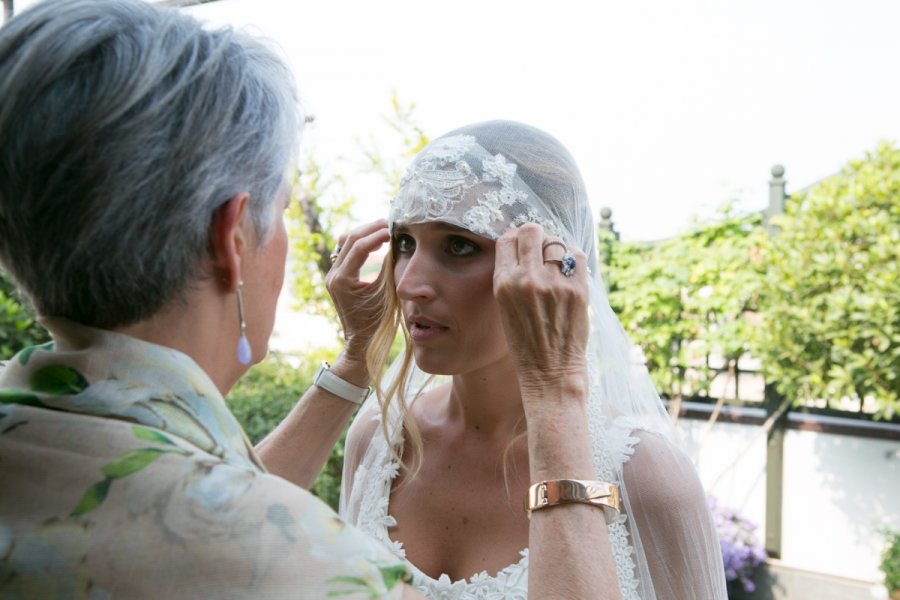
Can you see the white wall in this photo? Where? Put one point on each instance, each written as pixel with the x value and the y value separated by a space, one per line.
pixel 840 492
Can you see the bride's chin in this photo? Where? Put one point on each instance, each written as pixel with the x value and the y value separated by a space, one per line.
pixel 432 367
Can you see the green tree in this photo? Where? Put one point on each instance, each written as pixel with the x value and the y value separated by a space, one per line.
pixel 266 394
pixel 688 301
pixel 18 328
pixel 320 210
pixel 890 563
pixel 831 308
pixel 408 139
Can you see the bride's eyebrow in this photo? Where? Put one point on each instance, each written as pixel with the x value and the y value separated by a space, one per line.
pixel 449 227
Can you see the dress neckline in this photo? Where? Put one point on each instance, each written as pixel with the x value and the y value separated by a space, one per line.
pixel 512 572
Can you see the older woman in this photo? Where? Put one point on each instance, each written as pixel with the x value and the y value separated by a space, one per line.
pixel 143 167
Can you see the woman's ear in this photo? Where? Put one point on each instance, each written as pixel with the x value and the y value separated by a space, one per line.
pixel 229 241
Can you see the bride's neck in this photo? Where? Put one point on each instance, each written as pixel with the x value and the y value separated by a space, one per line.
pixel 487 401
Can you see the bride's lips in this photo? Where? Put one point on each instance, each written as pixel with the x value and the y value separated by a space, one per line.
pixel 424 330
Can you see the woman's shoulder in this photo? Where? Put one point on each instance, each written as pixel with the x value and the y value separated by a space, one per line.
pixel 660 472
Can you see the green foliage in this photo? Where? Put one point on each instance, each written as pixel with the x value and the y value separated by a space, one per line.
pixel 818 302
pixel 688 300
pixel 320 210
pixel 408 140
pixel 18 329
pixel 831 298
pixel 268 392
pixel 890 562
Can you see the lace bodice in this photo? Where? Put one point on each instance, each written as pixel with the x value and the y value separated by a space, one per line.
pixel 367 507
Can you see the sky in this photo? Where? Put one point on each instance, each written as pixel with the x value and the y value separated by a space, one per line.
pixel 670 108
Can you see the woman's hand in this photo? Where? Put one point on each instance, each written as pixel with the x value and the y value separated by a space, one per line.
pixel 357 304
pixel 545 317
pixel 545 313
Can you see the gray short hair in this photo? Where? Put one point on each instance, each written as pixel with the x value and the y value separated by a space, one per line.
pixel 123 128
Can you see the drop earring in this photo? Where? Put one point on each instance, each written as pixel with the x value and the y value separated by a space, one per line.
pixel 243 348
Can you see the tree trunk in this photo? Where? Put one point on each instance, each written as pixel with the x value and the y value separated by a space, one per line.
pixel 311 217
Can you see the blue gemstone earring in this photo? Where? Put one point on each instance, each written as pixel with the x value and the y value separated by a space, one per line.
pixel 243 348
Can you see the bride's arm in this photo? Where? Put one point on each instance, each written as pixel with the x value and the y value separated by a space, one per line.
pixel 545 318
pixel 569 549
pixel 677 532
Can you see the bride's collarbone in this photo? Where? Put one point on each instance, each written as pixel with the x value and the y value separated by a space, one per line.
pixel 460 517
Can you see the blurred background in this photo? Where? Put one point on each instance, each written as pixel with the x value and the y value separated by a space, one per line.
pixel 743 164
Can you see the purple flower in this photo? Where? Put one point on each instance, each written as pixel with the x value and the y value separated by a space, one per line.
pixel 742 552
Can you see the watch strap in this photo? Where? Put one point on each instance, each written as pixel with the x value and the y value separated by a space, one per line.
pixel 328 381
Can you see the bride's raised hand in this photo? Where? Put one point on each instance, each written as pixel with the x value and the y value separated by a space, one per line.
pixel 355 300
pixel 544 312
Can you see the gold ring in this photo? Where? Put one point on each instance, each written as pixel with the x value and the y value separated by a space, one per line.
pixel 548 243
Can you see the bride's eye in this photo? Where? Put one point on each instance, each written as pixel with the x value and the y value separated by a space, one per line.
pixel 460 246
pixel 403 243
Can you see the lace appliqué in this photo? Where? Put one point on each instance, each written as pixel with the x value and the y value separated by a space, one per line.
pixel 454 179
pixel 612 445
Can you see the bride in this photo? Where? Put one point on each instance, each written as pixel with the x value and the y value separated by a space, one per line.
pixel 437 462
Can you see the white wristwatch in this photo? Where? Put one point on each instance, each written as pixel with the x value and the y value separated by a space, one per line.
pixel 341 388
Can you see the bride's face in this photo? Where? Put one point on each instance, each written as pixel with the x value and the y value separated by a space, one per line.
pixel 444 277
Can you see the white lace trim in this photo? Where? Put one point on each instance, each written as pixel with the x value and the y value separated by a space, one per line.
pixel 454 179
pixel 371 493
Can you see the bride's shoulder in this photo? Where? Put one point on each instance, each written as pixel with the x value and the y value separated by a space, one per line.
pixel 364 426
pixel 660 471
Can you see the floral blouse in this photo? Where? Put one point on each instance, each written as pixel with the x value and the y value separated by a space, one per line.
pixel 124 475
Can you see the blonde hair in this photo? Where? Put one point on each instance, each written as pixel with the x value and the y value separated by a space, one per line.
pixel 377 357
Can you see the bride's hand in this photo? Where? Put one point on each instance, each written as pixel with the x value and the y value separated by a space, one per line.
pixel 544 313
pixel 358 307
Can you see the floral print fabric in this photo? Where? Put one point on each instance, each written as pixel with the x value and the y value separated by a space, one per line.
pixel 123 474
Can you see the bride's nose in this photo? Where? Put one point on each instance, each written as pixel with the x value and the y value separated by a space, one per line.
pixel 415 277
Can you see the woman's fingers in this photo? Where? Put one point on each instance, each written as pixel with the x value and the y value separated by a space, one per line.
pixel 530 240
pixel 544 311
pixel 354 299
pixel 359 243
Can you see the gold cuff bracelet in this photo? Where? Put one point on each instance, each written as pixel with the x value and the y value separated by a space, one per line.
pixel 554 492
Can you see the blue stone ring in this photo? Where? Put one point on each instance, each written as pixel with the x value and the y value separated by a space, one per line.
pixel 566 263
